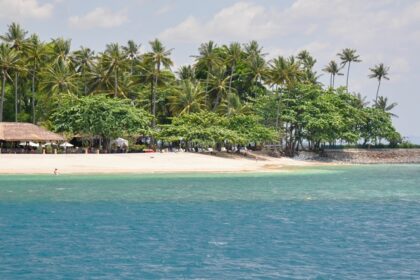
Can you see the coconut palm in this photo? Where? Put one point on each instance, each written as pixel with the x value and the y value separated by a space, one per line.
pixel 36 54
pixel 379 72
pixel 382 104
pixel 233 56
pixel 332 69
pixel 59 49
pixel 208 59
pixel 115 63
pixel 219 86
pixel 59 79
pixel 16 38
pixel 360 100
pixel 186 72
pixel 9 59
pixel 83 61
pixel 348 56
pixel 132 53
pixel 159 56
pixel 188 98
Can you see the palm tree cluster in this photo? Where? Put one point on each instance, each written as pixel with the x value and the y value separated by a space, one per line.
pixel 224 79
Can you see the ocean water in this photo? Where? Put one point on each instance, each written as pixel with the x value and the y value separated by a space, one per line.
pixel 358 222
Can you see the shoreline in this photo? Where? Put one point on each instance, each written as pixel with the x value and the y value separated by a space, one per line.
pixel 153 163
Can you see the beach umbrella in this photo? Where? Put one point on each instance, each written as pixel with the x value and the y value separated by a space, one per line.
pixel 30 144
pixel 120 142
pixel 66 145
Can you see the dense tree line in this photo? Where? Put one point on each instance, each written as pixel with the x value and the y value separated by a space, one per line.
pixel 231 94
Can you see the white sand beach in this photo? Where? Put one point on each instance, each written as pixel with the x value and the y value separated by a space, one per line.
pixel 142 163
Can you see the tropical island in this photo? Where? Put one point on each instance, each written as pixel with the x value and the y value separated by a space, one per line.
pixel 232 98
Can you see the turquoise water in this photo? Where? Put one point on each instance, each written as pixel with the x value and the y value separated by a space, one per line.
pixel 326 223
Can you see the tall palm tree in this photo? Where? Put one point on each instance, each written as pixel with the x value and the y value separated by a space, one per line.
pixel 207 59
pixel 159 56
pixel 83 61
pixel 59 49
pixel 132 53
pixel 382 104
pixel 360 100
pixel 379 72
pixel 59 79
pixel 115 62
pixel 348 56
pixel 9 58
pixel 233 56
pixel 36 55
pixel 16 38
pixel 188 98
pixel 332 69
pixel 186 72
pixel 219 85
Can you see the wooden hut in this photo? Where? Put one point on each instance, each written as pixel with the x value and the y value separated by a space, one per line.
pixel 13 133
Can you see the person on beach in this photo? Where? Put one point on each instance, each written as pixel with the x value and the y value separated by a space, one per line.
pixel 55 172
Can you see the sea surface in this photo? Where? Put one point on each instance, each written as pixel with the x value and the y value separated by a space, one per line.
pixel 350 222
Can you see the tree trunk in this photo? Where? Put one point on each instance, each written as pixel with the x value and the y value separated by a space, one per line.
pixel 231 76
pixel 16 96
pixel 116 83
pixel 154 96
pixel 33 97
pixel 3 85
pixel 333 80
pixel 377 91
pixel 347 81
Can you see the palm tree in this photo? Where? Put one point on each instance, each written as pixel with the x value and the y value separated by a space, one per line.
pixel 83 61
pixel 15 37
pixel 360 100
pixel 114 61
pixel 59 79
pixel 186 72
pixel 188 98
pixel 36 54
pixel 382 104
pixel 332 69
pixel 378 72
pixel 132 53
pixel 59 49
pixel 219 84
pixel 9 58
pixel 207 59
pixel 348 56
pixel 159 56
pixel 233 56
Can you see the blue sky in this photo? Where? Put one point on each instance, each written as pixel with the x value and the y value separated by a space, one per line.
pixel 385 31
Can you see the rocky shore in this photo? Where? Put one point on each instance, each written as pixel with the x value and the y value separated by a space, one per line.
pixel 371 156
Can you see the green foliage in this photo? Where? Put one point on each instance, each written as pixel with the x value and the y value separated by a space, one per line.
pixel 99 116
pixel 211 129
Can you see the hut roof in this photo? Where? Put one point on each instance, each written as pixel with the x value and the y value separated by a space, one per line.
pixel 26 132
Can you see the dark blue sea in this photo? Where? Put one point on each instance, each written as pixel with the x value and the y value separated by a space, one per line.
pixel 359 222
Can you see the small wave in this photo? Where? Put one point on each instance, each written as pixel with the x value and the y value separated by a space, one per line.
pixel 218 243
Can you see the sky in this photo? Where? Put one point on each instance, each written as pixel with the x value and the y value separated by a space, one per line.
pixel 383 31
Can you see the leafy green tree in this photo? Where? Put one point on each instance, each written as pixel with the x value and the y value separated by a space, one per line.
pixel 100 116
pixel 132 53
pixel 379 72
pixel 348 56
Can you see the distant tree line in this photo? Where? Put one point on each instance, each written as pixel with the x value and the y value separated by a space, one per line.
pixel 232 95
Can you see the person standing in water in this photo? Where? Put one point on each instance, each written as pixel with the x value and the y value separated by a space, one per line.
pixel 56 172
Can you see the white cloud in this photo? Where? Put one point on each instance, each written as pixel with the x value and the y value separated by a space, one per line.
pixel 99 17
pixel 22 9
pixel 165 9
pixel 239 21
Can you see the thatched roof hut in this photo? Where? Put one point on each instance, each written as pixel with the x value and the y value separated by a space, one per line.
pixel 14 132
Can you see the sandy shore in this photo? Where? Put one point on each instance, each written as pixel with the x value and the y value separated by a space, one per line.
pixel 142 163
